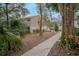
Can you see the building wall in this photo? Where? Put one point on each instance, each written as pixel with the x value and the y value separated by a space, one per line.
pixel 76 24
pixel 34 23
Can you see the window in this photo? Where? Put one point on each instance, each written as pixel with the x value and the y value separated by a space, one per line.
pixel 28 19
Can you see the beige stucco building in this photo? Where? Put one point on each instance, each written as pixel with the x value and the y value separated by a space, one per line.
pixel 33 23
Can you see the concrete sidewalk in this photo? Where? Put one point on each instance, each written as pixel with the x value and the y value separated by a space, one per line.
pixel 43 48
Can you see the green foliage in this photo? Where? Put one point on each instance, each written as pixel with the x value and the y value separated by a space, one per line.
pixel 3 45
pixel 9 43
pixel 54 6
pixel 10 40
pixel 71 44
pixel 77 31
pixel 63 40
pixel 19 27
pixel 49 23
pixel 56 27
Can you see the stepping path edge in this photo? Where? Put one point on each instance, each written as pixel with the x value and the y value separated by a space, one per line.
pixel 43 48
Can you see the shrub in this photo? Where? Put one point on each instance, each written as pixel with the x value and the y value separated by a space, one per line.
pixel 77 31
pixel 9 43
pixel 3 45
pixel 56 27
pixel 19 27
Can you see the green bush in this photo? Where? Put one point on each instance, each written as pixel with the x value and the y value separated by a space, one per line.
pixel 77 31
pixel 10 40
pixel 19 27
pixel 56 27
pixel 3 45
pixel 9 43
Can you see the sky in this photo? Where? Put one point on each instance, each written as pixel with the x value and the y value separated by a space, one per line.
pixel 33 11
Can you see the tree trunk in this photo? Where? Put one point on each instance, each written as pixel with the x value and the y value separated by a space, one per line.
pixel 7 17
pixel 61 8
pixel 41 20
pixel 68 20
pixel 67 12
pixel 68 25
pixel 50 14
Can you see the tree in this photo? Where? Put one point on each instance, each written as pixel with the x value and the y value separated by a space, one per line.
pixel 41 19
pixel 52 7
pixel 9 10
pixel 41 11
pixel 67 12
pixel 7 17
pixel 68 20
pixel 9 41
pixel 68 24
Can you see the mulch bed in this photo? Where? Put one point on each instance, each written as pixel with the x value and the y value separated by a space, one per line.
pixel 59 50
pixel 31 40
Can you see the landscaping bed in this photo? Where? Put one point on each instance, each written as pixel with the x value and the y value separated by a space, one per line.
pixel 59 50
pixel 31 40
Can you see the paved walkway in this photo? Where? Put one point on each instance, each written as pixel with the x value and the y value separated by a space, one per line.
pixel 43 48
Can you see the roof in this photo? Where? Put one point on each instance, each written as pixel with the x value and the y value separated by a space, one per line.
pixel 30 16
